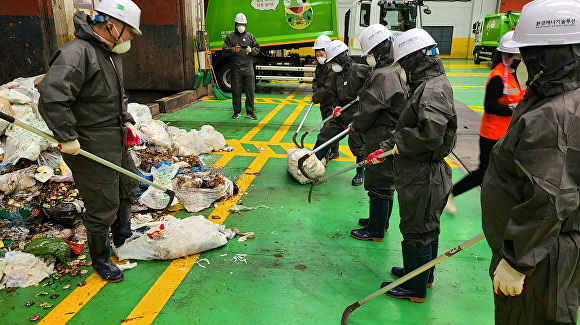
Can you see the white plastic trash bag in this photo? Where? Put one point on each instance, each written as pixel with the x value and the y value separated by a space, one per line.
pixel 194 198
pixel 24 270
pixel 173 238
pixel 212 138
pixel 139 112
pixel 313 166
pixel 155 132
pixel 154 198
pixel 5 108
pixel 21 143
pixel 187 143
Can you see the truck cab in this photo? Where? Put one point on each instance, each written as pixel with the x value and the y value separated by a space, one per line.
pixel 398 16
pixel 489 31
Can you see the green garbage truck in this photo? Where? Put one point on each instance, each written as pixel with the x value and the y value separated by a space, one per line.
pixel 489 31
pixel 283 26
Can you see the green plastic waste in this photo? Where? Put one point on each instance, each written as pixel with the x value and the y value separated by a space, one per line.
pixel 198 79
pixel 207 78
pixel 49 247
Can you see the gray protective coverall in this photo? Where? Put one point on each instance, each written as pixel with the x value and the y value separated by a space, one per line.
pixel 425 134
pixel 531 194
pixel 382 100
pixel 242 73
pixel 344 87
pixel 82 97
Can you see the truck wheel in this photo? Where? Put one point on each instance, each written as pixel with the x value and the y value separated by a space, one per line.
pixel 476 58
pixel 224 78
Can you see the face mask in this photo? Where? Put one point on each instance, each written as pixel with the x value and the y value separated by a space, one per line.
pixel 122 48
pixel 336 68
pixel 371 61
pixel 241 29
pixel 522 74
pixel 321 60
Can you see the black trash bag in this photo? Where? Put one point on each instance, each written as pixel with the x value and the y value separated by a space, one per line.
pixel 66 213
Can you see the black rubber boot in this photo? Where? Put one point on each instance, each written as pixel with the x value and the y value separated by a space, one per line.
pixel 322 153
pixel 121 228
pixel 378 221
pixel 100 251
pixel 333 153
pixel 359 178
pixel 399 272
pixel 414 289
pixel 365 221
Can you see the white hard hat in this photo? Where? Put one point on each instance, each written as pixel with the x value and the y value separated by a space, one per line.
pixel 241 19
pixel 334 48
pixel 410 41
pixel 504 41
pixel 123 10
pixel 321 42
pixel 548 22
pixel 372 36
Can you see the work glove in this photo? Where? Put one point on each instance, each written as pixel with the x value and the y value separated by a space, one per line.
pixel 336 112
pixel 507 280
pixel 373 158
pixel 248 50
pixel 132 136
pixel 350 129
pixel 71 147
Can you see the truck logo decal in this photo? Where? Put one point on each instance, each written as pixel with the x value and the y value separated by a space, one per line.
pixel 298 13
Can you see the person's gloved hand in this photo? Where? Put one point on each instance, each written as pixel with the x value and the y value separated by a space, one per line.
pixel 71 147
pixel 336 111
pixel 512 107
pixel 132 136
pixel 395 150
pixel 351 129
pixel 373 158
pixel 248 50
pixel 507 280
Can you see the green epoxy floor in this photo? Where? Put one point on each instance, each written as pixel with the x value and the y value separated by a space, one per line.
pixel 303 267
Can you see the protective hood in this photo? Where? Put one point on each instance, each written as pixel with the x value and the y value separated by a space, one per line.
pixel 384 51
pixel 83 30
pixel 420 67
pixel 344 61
pixel 546 59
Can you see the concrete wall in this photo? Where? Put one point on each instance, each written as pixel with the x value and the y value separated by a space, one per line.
pixel 464 14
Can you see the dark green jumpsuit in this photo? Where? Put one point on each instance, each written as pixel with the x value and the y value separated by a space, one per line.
pixel 530 195
pixel 82 97
pixel 242 72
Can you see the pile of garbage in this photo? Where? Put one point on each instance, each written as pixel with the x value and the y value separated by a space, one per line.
pixel 38 198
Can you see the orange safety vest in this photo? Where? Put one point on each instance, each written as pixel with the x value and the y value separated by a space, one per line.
pixel 494 126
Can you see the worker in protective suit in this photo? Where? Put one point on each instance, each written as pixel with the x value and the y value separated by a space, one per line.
pixel 83 102
pixel 382 100
pixel 502 94
pixel 347 80
pixel 425 134
pixel 530 193
pixel 242 46
pixel 320 85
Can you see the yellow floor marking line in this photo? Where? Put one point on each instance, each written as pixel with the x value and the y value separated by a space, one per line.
pixel 160 292
pixel 288 122
pixel 467 74
pixel 155 299
pixel 73 303
pixel 270 115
